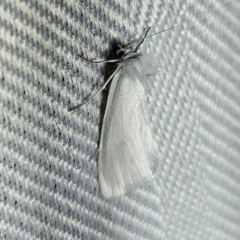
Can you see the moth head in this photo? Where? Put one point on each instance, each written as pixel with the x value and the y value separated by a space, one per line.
pixel 131 49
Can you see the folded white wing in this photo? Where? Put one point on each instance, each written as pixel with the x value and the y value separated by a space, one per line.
pixel 127 152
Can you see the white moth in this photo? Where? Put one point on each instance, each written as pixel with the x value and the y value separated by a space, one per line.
pixel 128 153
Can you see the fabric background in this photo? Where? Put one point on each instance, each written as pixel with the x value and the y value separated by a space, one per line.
pixel 49 188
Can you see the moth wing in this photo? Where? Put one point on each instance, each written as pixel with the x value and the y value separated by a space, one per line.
pixel 127 152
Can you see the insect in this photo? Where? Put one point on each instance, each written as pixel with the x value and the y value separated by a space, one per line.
pixel 128 154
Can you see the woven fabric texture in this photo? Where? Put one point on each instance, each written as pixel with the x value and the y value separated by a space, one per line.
pixel 48 185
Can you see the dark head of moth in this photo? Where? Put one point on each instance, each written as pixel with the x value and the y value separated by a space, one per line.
pixel 131 50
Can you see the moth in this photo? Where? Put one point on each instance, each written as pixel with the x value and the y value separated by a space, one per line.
pixel 128 154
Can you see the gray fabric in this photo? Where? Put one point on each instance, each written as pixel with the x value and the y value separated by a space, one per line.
pixel 49 188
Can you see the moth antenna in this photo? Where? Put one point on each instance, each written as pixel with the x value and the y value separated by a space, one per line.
pixel 102 88
pixel 100 61
pixel 161 31
pixel 143 38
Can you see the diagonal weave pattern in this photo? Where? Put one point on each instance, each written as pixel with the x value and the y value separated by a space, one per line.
pixel 48 186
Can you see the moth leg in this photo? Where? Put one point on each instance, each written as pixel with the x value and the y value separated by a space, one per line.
pixel 102 88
